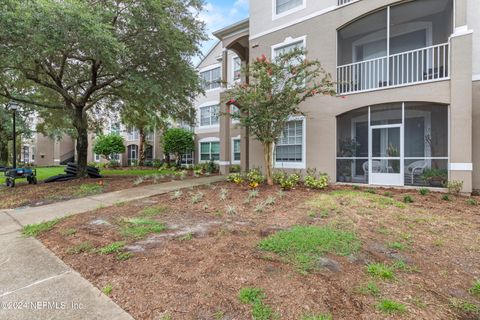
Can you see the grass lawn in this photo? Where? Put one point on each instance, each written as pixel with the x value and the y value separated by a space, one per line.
pixel 47 172
pixel 224 251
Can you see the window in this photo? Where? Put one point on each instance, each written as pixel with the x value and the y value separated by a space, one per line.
pixel 277 51
pixel 26 154
pixel 132 153
pixel 33 153
pixel 237 69
pixel 211 79
pixel 115 157
pixel 209 115
pixel 115 128
pixel 96 157
pixel 289 151
pixel 209 151
pixel 132 134
pixel 187 158
pixel 282 6
pixel 236 150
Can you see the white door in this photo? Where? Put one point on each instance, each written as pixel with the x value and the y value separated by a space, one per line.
pixel 386 154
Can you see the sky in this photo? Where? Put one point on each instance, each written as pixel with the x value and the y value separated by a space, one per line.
pixel 221 13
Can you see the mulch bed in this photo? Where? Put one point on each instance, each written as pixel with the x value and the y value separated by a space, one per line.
pixel 195 269
pixel 45 193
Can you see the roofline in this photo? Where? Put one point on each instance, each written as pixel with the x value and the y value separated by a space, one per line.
pixel 204 56
pixel 220 34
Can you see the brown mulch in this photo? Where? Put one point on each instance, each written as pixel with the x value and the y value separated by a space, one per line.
pixel 46 193
pixel 195 269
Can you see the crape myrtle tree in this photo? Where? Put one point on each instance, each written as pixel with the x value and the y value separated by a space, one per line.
pixel 274 93
pixel 77 55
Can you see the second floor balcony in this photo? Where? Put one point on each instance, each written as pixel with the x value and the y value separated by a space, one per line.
pixel 399 45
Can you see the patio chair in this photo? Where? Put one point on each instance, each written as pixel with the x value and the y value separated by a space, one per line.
pixel 376 166
pixel 416 169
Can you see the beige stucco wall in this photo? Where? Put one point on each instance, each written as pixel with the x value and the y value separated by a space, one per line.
pixel 44 151
pixel 322 111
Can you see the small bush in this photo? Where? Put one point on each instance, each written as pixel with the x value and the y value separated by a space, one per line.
pixel 408 199
pixel 270 201
pixel 391 307
pixel 255 178
pixel 388 194
pixel 454 186
pixel 316 181
pixel 424 191
pixel 236 178
pixel 381 270
pixel 371 191
pixel 177 195
pixel 231 210
pixel 288 182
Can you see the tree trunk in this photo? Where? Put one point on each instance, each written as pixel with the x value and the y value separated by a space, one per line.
pixel 141 149
pixel 267 156
pixel 81 125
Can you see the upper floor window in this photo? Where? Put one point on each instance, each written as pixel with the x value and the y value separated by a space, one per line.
pixel 284 6
pixel 283 49
pixel 237 69
pixel 132 134
pixel 211 78
pixel 209 115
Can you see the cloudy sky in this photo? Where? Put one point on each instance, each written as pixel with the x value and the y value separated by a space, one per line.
pixel 221 13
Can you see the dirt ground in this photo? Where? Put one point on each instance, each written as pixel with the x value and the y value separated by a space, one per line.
pixel 196 268
pixel 45 193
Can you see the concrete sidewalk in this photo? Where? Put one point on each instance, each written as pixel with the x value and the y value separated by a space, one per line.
pixel 35 284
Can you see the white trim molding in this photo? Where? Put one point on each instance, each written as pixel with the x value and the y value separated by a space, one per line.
pixel 276 15
pixel 460 167
pixel 288 41
pixel 461 31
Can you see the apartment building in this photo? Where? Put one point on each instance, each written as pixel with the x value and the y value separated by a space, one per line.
pixel 408 103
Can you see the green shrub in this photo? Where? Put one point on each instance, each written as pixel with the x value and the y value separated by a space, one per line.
pixel 454 186
pixel 446 197
pixel 313 180
pixel 408 199
pixel 475 289
pixel 107 145
pixel 236 178
pixel 287 181
pixel 424 191
pixel 254 176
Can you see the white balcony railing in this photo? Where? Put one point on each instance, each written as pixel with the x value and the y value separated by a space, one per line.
pixel 416 66
pixel 342 2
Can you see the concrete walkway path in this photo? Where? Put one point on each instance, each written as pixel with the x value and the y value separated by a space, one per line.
pixel 35 284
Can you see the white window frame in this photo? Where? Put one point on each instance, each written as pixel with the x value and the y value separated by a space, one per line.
pixel 206 140
pixel 294 165
pixel 132 134
pixel 96 157
pixel 233 80
pixel 233 161
pixel 199 116
pixel 287 42
pixel 276 16
pixel 210 68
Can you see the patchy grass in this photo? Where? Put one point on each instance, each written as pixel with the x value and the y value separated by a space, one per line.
pixel 475 289
pixel 69 232
pixel 115 247
pixel 140 227
pixel 88 189
pixel 381 270
pixel 370 288
pixel 135 172
pixel 255 297
pixel 122 256
pixel 80 248
pixel 397 246
pixel 34 230
pixel 107 290
pixel 391 307
pixel 465 306
pixel 302 245
pixel 42 173
pixel 472 202
pixel 154 211
pixel 358 198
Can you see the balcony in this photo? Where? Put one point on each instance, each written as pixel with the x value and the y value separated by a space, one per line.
pixel 406 68
pixel 398 45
